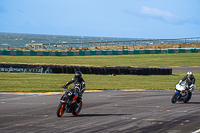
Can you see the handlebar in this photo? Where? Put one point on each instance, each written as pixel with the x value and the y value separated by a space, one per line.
pixel 78 91
pixel 64 87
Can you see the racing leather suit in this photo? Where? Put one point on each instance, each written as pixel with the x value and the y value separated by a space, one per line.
pixel 190 81
pixel 79 85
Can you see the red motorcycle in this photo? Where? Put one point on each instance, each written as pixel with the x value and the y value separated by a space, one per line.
pixel 68 102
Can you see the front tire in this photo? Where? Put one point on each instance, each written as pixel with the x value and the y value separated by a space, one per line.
pixel 174 98
pixel 77 111
pixel 60 109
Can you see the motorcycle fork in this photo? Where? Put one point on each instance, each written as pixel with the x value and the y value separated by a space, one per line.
pixel 74 99
pixel 178 96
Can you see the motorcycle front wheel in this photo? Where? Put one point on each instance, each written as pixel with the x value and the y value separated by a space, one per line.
pixel 77 109
pixel 60 109
pixel 174 98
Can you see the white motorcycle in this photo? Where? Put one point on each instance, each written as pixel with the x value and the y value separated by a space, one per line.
pixel 182 93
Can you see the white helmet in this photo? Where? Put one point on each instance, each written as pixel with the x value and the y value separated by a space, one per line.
pixel 189 73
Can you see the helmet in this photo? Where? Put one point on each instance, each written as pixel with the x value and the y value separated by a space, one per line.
pixel 189 73
pixel 78 75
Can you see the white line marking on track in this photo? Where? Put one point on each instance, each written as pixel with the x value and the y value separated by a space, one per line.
pixel 197 131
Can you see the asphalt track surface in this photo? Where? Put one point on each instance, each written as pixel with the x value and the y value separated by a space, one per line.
pixel 185 69
pixel 107 111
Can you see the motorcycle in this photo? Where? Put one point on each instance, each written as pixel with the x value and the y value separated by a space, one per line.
pixel 182 93
pixel 68 102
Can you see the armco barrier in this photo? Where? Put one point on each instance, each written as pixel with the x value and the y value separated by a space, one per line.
pixel 85 70
pixel 97 52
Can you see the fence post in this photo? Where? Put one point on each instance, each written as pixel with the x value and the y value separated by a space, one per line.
pixel 87 44
pixel 62 46
pixel 106 44
pixel 81 45
pixel 165 41
pixel 68 45
pixel 191 40
pixel 172 41
pixel 94 44
pixel 185 40
pixel 178 40
pixel 140 42
pixel 197 39
pixel 100 44
pixel 153 41
pixel 147 42
pixel 112 43
pixel 135 42
pixel 123 43
pixel 159 41
pixel 49 45
pixel 118 43
pixel 129 43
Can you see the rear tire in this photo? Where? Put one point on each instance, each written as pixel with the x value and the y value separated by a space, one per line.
pixel 190 96
pixel 76 112
pixel 174 98
pixel 60 109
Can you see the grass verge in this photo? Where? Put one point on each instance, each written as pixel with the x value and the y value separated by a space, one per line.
pixel 37 82
pixel 180 59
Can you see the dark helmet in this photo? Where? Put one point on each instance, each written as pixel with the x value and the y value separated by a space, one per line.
pixel 78 75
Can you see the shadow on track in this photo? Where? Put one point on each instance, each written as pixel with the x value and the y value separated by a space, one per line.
pixel 95 115
pixel 193 103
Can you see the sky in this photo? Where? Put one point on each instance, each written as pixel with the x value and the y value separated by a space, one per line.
pixel 161 19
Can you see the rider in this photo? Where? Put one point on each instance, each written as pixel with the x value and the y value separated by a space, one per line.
pixel 190 80
pixel 79 84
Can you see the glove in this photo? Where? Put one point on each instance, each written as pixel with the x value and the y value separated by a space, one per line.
pixel 82 90
pixel 64 86
pixel 191 88
pixel 192 85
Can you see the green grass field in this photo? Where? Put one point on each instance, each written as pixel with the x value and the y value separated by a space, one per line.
pixel 34 82
pixel 181 59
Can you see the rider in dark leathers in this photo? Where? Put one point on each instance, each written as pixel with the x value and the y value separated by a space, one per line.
pixel 190 80
pixel 79 85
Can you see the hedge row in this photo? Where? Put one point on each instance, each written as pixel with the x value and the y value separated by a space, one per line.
pixel 97 70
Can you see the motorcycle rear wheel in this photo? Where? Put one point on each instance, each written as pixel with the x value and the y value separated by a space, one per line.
pixel 76 112
pixel 174 98
pixel 60 109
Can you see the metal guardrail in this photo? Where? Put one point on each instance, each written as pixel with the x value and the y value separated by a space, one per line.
pixel 68 45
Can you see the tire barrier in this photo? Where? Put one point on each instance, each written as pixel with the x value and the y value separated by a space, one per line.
pixel 118 70
pixel 97 52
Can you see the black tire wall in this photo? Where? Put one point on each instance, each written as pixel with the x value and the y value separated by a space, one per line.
pixel 112 70
pixel 118 70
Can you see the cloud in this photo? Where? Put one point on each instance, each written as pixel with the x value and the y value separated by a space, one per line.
pixel 162 15
pixel 159 14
